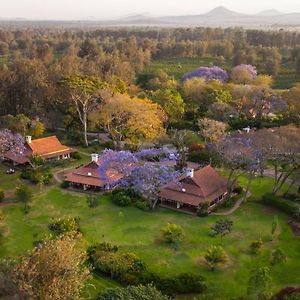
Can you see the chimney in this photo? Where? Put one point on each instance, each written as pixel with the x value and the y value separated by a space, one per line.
pixel 190 172
pixel 94 157
pixel 28 139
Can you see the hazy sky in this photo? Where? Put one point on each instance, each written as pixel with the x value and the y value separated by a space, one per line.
pixel 81 9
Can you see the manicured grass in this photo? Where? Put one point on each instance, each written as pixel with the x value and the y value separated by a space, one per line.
pixel 7 181
pixel 139 232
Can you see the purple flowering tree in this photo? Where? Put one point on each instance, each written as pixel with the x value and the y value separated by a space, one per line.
pixel 208 74
pixel 243 73
pixel 146 180
pixel 139 170
pixel 10 141
pixel 120 161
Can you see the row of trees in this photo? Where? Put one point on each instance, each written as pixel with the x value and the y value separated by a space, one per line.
pixel 158 42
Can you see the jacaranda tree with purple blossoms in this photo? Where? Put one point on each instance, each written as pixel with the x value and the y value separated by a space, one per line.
pixel 10 141
pixel 147 178
pixel 140 170
pixel 208 73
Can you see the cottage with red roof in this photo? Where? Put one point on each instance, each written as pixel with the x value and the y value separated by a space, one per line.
pixel 48 148
pixel 87 176
pixel 188 193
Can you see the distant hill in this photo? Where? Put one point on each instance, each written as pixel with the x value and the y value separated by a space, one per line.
pixel 221 11
pixel 270 12
pixel 218 17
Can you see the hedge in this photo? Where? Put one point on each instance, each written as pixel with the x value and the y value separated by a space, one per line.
pixel 129 269
pixel 287 206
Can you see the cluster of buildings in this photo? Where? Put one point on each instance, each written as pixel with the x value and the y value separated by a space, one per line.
pixel 187 193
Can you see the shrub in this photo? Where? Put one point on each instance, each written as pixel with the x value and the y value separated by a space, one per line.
pixel 126 267
pixel 36 176
pixel 255 246
pixel 172 233
pixel 277 257
pixel 293 197
pixel 190 283
pixel 214 256
pixel 121 199
pixel 65 225
pixel 126 191
pixel 2 196
pixel 238 190
pixel 140 292
pixel 26 174
pixel 184 283
pixel 93 201
pixel 129 269
pixel 203 210
pixel 65 184
pixel 47 177
pixel 76 155
pixel 289 207
pixel 142 205
pixel 101 247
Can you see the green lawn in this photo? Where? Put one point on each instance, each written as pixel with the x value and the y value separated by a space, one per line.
pixel 7 181
pixel 139 232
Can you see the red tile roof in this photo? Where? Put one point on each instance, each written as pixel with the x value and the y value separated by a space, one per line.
pixel 206 186
pixel 89 175
pixel 48 147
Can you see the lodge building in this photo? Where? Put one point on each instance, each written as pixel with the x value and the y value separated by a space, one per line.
pixel 87 177
pixel 195 188
pixel 49 148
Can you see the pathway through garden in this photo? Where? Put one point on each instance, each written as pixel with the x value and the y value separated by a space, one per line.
pixel 233 209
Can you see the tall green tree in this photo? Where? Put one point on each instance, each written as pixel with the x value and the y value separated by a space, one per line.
pixel 172 103
pixel 24 194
